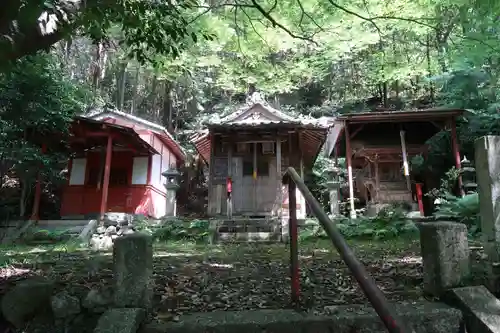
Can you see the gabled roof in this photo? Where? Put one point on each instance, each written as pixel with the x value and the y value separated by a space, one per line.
pixel 133 139
pixel 106 112
pixel 258 113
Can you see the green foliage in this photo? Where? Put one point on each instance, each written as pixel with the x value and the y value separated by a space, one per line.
pixel 462 209
pixel 389 223
pixel 183 230
pixel 37 102
pixel 146 29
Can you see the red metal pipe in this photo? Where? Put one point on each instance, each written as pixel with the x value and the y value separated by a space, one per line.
pixel 294 247
pixel 418 188
pixel 386 313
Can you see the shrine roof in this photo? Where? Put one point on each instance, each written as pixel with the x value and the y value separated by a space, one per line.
pixel 126 136
pixel 104 114
pixel 420 123
pixel 257 113
pixel 401 115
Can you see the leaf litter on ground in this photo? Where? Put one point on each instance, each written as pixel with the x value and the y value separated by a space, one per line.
pixel 249 276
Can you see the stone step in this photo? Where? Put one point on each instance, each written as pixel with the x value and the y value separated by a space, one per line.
pixel 228 237
pixel 422 317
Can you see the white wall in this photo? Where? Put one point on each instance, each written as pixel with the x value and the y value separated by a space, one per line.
pixel 156 170
pixel 140 170
pixel 78 168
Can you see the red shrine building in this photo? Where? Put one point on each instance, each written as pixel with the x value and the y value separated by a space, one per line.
pixel 117 166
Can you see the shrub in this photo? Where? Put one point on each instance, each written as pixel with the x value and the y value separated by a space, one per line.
pixel 179 229
pixel 461 209
pixel 389 223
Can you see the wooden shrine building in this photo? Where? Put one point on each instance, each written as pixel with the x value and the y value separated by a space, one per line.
pixel 247 153
pixel 117 164
pixel 378 147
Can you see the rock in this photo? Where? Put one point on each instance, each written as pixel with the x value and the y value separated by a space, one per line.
pixel 111 230
pixel 101 243
pixel 64 305
pixel 445 255
pixel 101 230
pixel 133 269
pixel 126 320
pixel 23 300
pixel 97 300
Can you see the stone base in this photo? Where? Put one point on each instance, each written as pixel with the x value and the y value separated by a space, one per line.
pixel 246 230
pixel 423 317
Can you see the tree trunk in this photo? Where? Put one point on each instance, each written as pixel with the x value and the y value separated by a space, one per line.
pixel 134 93
pixel 168 106
pixel 121 83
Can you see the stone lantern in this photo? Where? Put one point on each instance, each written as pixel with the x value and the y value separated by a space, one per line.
pixel 334 183
pixel 171 185
pixel 468 176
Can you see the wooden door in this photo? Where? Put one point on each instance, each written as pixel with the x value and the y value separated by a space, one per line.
pixel 237 177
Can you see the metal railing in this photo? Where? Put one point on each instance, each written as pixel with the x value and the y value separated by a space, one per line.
pixel 385 311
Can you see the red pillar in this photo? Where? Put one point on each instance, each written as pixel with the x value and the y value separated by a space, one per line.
pixel 38 193
pixel 456 152
pixel 418 187
pixel 107 169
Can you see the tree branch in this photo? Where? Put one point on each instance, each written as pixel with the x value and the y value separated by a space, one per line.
pixel 279 25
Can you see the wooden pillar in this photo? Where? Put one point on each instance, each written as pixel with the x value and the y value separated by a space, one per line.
pixel 254 176
pixel 35 212
pixel 406 167
pixel 229 207
pixel 279 177
pixel 377 181
pixel 348 154
pixel 456 152
pixel 107 171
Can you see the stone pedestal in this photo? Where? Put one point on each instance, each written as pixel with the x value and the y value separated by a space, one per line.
pixel 133 270
pixel 171 209
pixel 334 189
pixel 445 255
pixel 487 161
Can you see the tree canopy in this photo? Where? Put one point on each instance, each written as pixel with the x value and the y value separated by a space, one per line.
pixel 180 63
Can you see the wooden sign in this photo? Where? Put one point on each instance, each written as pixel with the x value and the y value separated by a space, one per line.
pixel 220 171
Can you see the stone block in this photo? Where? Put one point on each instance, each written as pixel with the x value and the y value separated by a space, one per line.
pixel 126 320
pixel 64 305
pixel 25 299
pixel 487 150
pixel 422 317
pixel 133 269
pixel 445 255
pixel 480 307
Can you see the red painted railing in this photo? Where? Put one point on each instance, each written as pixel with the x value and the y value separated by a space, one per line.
pixel 385 311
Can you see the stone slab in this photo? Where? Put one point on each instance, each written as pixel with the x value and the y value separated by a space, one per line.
pixel 133 270
pixel 445 255
pixel 481 308
pixel 126 320
pixel 424 317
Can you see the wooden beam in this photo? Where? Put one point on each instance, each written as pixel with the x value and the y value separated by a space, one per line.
pixel 456 152
pixel 107 172
pixel 357 131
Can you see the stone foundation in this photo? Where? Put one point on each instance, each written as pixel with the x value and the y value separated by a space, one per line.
pixel 423 317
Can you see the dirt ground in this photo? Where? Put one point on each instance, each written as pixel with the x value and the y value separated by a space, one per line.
pixel 193 278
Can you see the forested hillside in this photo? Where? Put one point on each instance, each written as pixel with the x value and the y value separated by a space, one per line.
pixel 179 64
